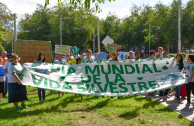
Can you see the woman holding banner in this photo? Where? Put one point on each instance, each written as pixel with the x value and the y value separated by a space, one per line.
pixel 160 52
pixel 41 59
pixel 183 92
pixel 190 74
pixel 17 91
pixel 79 61
pixel 180 64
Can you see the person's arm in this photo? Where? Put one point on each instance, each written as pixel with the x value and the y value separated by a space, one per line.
pixel 17 78
pixel 88 61
pixel 192 75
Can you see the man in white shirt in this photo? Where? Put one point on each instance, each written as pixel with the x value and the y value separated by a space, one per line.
pixel 88 56
pixel 137 55
pixel 60 60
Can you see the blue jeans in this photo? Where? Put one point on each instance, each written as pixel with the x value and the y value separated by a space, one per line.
pixel 43 94
pixel 178 91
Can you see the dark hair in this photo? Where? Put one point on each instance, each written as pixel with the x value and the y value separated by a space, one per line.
pixel 77 60
pixel 191 57
pixel 181 61
pixel 10 55
pixel 152 52
pixel 137 52
pixel 39 56
pixel 13 57
pixel 116 58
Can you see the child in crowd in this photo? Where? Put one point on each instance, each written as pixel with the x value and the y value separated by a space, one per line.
pixel 41 59
pixel 107 56
pixel 190 74
pixel 137 55
pixel 60 60
pixel 71 60
pixel 130 55
pixel 152 54
pixel 160 52
pixel 114 57
pixel 165 54
pixel 79 61
pixel 180 64
pixel 2 79
pixel 88 56
pixel 17 91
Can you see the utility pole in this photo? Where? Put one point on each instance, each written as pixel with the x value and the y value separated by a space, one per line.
pixel 158 38
pixel 93 43
pixel 15 29
pixel 61 30
pixel 179 26
pixel 98 35
pixel 149 39
pixel 12 38
pixel 149 35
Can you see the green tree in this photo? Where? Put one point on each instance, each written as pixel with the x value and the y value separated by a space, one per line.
pixel 188 26
pixel 5 18
pixel 81 4
pixel 44 24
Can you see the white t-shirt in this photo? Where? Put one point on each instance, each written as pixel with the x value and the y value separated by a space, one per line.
pixel 190 68
pixel 36 61
pixel 60 62
pixel 6 65
pixel 161 54
pixel 92 58
pixel 13 69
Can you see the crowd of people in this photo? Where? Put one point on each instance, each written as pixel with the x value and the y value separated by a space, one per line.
pixel 17 91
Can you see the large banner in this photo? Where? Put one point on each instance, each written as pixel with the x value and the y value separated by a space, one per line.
pixel 105 78
pixel 29 50
pixel 64 49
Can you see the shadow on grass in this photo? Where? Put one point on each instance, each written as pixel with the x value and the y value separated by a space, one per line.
pixel 9 113
pixel 126 97
pixel 150 102
pixel 3 103
pixel 99 105
pixel 165 109
pixel 130 114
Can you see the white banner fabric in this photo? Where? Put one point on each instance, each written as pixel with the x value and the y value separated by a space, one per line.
pixel 105 78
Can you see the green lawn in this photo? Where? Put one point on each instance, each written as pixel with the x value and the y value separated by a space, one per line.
pixel 68 110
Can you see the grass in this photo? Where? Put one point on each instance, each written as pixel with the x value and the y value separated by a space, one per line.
pixel 68 110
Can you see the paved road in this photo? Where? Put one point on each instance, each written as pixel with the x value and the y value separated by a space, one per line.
pixel 181 108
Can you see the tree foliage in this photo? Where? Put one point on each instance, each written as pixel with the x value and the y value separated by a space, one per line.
pixel 80 4
pixel 5 18
pixel 44 24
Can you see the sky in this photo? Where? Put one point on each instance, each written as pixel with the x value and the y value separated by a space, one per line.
pixel 121 8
